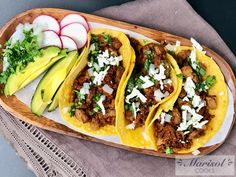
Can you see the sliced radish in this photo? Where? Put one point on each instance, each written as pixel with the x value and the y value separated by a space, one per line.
pixel 51 38
pixel 68 43
pixel 72 18
pixel 77 32
pixel 46 22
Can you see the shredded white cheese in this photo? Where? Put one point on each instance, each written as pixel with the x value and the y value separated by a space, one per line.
pixel 136 109
pixel 99 76
pixel 196 101
pixel 200 125
pixel 173 47
pixel 164 118
pixel 190 117
pixel 170 47
pixel 189 87
pixel 100 104
pixel 196 44
pixel 107 89
pixel 147 83
pixel 85 89
pixel 161 75
pixel 193 57
pixel 167 81
pixel 159 95
pixel 136 93
pixel 152 70
pixel 90 72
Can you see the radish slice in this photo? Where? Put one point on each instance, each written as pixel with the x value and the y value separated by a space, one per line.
pixel 68 43
pixel 72 18
pixel 77 32
pixel 51 38
pixel 46 22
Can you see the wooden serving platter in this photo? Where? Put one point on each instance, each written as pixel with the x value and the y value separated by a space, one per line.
pixel 21 111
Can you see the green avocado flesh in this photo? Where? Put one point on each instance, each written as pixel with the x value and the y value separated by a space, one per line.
pixel 51 82
pixel 41 63
pixel 54 103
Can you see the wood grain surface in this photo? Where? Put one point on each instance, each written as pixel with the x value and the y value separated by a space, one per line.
pixel 21 111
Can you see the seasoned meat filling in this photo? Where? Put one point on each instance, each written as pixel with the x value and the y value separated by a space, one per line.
pixel 177 128
pixel 95 87
pixel 150 82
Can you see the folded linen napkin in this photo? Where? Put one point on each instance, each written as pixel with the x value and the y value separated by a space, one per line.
pixel 52 154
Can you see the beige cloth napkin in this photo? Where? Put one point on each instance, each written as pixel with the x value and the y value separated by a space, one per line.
pixel 51 154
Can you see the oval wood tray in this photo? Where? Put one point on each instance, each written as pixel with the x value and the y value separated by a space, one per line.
pixel 21 111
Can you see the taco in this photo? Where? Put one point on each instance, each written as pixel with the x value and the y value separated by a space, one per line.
pixel 152 81
pixel 197 112
pixel 90 95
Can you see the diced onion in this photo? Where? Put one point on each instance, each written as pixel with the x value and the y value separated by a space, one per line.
pixel 107 89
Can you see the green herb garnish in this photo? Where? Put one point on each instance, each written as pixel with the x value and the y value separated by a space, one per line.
pixel 197 67
pixel 169 150
pixel 96 109
pixel 130 84
pixel 180 76
pixel 20 54
pixel 207 83
pixel 94 38
pixel 139 82
pixel 148 61
pixel 79 95
pixel 72 110
pixel 107 38
pixel 97 97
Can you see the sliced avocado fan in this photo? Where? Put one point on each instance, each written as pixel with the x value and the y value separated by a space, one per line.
pixel 51 82
pixel 41 63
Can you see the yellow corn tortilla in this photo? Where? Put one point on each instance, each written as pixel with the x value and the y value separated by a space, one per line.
pixel 219 89
pixel 64 99
pixel 138 137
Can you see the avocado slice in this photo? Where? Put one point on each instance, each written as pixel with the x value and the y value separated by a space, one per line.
pixel 41 63
pixel 50 83
pixel 55 99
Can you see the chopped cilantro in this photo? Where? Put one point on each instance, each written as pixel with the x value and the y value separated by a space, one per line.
pixel 180 76
pixel 97 97
pixel 72 110
pixel 210 80
pixel 139 82
pixel 79 95
pixel 197 67
pixel 207 83
pixel 126 106
pixel 80 99
pixel 131 108
pixel 153 80
pixel 169 150
pixel 130 84
pixel 93 56
pixel 96 109
pixel 94 38
pixel 201 71
pixel 107 38
pixel 148 61
pixel 20 54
